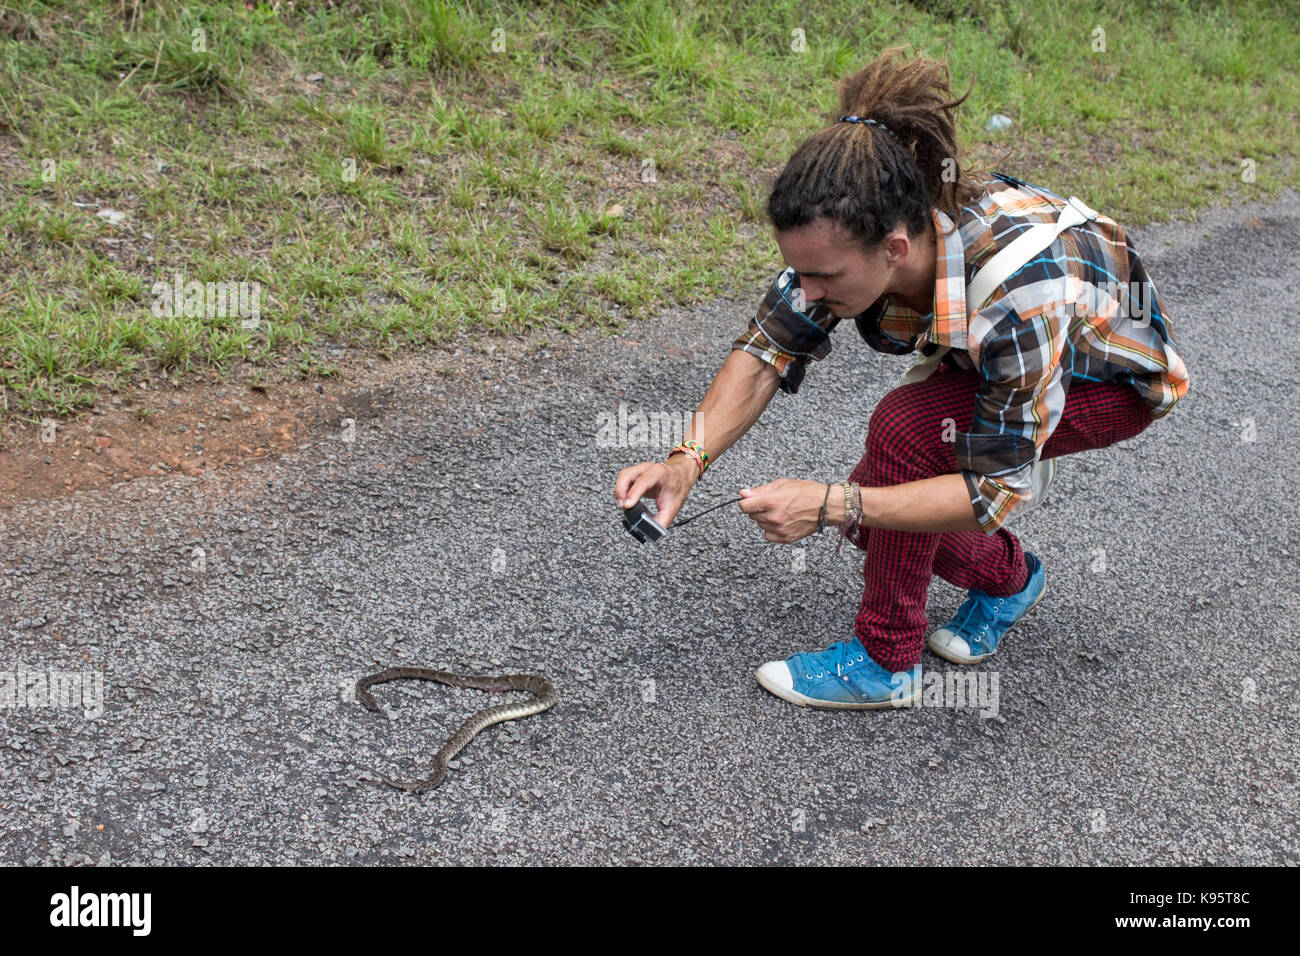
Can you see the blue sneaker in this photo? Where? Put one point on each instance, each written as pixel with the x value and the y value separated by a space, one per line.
pixel 842 676
pixel 974 631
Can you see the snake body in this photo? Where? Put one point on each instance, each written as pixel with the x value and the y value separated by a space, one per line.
pixel 541 689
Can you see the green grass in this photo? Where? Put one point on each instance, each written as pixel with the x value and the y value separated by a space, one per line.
pixel 395 172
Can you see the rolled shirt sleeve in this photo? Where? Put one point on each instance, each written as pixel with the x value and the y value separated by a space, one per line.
pixel 1017 405
pixel 787 332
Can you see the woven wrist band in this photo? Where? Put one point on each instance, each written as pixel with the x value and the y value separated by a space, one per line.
pixel 693 449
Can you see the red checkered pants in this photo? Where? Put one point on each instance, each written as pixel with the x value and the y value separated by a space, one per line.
pixel 905 443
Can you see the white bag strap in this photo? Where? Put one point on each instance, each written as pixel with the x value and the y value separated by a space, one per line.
pixel 1021 250
pixel 1002 266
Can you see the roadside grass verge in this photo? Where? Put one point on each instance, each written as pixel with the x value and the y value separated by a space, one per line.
pixel 390 174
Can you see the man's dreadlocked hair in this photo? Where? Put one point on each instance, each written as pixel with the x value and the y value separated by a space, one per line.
pixel 860 176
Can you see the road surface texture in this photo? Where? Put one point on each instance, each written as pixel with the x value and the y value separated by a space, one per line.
pixel 1146 711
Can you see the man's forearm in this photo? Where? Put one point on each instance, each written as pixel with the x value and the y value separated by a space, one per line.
pixel 735 399
pixel 934 504
pixel 941 503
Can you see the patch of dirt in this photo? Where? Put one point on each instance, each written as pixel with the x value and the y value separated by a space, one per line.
pixel 203 427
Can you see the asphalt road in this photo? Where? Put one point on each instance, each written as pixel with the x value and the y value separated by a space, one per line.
pixel 1147 710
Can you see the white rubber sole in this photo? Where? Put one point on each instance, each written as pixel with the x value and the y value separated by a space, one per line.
pixel 773 684
pixel 959 658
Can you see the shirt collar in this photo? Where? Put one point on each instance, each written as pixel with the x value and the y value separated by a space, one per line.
pixel 945 324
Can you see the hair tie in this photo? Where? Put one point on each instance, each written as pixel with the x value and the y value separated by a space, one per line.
pixel 860 119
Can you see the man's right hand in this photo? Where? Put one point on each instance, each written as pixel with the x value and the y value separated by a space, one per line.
pixel 668 483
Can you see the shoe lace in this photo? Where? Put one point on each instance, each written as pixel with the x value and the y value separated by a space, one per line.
pixel 846 655
pixel 985 605
pixel 839 656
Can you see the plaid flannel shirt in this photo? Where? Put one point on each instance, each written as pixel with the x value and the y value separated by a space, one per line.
pixel 1083 308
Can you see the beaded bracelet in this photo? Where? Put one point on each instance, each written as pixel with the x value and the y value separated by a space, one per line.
pixel 693 449
pixel 853 514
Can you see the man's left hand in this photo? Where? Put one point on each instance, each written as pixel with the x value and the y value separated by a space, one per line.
pixel 786 509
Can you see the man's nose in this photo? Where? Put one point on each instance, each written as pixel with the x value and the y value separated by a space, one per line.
pixel 812 292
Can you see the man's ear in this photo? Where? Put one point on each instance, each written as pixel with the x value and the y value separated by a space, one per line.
pixel 897 246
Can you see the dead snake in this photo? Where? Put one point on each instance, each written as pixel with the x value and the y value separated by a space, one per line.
pixel 541 689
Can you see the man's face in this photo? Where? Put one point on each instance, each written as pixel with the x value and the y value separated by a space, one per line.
pixel 832 267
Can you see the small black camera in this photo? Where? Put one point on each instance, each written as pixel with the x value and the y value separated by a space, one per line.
pixel 641 525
